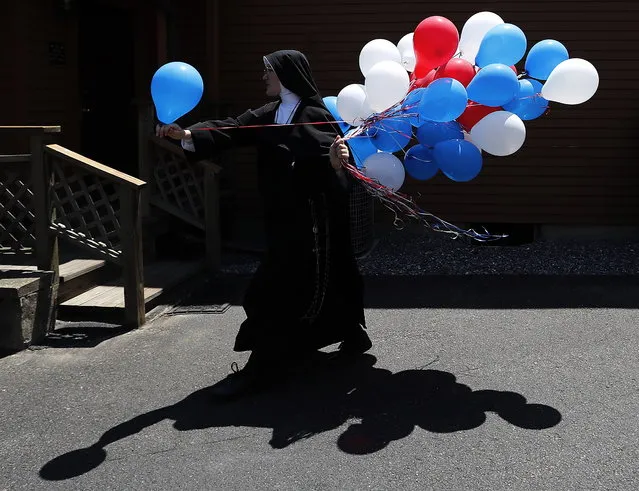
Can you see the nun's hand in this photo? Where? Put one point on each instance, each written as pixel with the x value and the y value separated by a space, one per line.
pixel 338 153
pixel 172 131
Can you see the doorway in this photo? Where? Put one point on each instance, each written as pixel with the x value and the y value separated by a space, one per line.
pixel 107 85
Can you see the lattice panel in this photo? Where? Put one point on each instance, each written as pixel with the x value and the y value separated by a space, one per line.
pixel 87 210
pixel 17 219
pixel 179 184
pixel 361 211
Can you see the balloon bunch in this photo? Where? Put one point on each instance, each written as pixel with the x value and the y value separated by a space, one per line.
pixel 438 99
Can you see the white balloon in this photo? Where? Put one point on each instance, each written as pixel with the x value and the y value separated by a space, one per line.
pixel 469 139
pixel 349 103
pixel 573 81
pixel 405 43
pixel 366 110
pixel 375 51
pixel 474 31
pixel 500 133
pixel 405 47
pixel 386 84
pixel 386 169
pixel 409 60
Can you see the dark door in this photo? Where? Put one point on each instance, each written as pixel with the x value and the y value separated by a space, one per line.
pixel 106 54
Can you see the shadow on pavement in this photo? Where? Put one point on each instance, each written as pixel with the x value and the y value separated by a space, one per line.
pixel 378 406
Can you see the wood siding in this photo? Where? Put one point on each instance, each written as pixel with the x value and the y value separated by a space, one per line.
pixel 579 163
pixel 39 88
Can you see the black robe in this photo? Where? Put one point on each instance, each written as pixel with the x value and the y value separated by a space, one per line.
pixel 307 292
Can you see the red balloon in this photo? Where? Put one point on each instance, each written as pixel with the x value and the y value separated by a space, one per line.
pixel 424 81
pixel 473 113
pixel 435 41
pixel 420 72
pixel 459 69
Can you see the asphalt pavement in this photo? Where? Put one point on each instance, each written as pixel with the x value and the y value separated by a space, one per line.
pixel 479 382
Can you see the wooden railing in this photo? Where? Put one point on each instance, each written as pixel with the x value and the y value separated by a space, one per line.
pixel 189 191
pixel 99 208
pixel 17 217
pixel 53 192
pixel 24 207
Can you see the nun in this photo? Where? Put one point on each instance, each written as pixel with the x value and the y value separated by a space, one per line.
pixel 307 292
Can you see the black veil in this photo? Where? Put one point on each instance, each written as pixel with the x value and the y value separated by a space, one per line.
pixel 294 71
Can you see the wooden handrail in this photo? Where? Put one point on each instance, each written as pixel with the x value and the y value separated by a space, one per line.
pixel 15 159
pixel 30 130
pixel 174 149
pixel 93 166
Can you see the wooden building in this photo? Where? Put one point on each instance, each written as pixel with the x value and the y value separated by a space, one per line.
pixel 87 65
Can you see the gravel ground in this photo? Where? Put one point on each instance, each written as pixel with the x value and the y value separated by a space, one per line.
pixel 416 252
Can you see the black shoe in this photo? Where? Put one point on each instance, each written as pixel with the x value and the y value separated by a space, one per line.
pixel 356 343
pixel 237 384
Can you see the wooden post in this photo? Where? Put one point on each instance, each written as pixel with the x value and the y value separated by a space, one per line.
pixel 132 260
pixel 212 218
pixel 46 240
pixel 46 248
pixel 145 128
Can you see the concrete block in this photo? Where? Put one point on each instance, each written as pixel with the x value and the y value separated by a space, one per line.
pixel 27 307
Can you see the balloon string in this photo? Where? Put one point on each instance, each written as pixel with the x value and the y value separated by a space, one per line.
pixel 403 205
pixel 397 111
pixel 498 108
pixel 217 128
pixel 398 203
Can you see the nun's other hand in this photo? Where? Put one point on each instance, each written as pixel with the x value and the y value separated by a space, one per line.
pixel 338 153
pixel 171 130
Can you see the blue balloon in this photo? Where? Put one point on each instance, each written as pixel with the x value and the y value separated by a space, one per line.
pixel 420 163
pixel 459 160
pixel 390 134
pixel 331 104
pixel 176 88
pixel 544 57
pixel 361 148
pixel 529 104
pixel 445 99
pixel 494 86
pixel 431 133
pixel 410 106
pixel 504 43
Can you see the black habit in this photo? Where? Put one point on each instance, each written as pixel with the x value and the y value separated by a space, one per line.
pixel 307 292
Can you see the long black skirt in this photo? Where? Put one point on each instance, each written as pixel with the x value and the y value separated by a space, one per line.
pixel 307 292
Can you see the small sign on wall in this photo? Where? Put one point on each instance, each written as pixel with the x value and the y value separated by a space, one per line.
pixel 57 55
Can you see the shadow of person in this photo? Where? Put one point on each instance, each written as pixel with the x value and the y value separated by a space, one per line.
pixel 379 406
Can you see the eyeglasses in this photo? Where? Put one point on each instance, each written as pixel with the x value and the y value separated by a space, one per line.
pixel 268 70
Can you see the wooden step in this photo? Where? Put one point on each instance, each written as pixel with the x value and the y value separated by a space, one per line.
pixel 68 270
pixel 76 276
pixel 79 267
pixel 159 277
pixel 80 275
